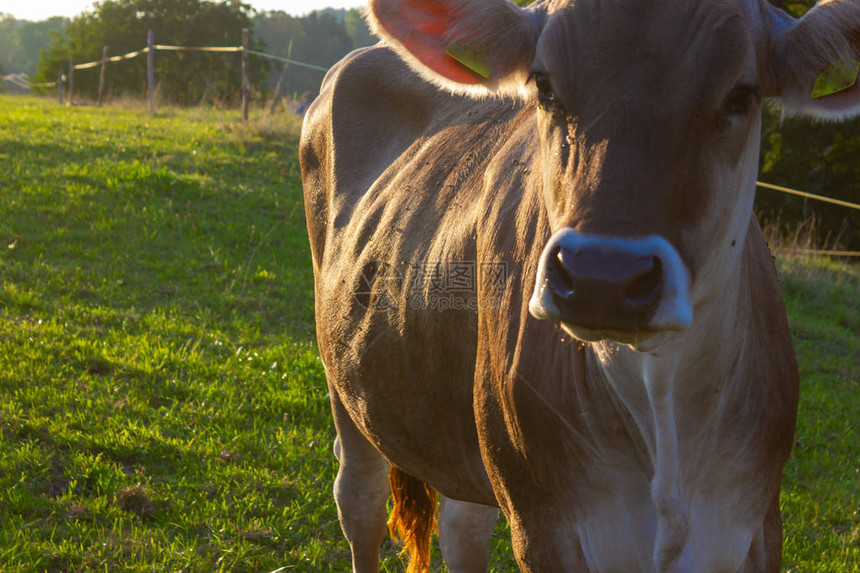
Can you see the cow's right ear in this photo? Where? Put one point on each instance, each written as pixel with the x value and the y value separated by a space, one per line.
pixel 466 46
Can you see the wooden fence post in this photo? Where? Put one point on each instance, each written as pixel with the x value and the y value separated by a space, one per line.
pixel 60 86
pixel 246 73
pixel 102 75
pixel 150 69
pixel 71 82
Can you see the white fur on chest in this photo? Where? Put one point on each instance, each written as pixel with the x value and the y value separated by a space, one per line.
pixel 680 522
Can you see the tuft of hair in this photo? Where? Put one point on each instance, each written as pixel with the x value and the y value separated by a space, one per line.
pixel 413 517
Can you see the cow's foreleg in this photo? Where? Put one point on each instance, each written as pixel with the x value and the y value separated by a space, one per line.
pixel 360 491
pixel 765 554
pixel 464 534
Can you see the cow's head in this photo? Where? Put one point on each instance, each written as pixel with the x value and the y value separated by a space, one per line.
pixel 648 116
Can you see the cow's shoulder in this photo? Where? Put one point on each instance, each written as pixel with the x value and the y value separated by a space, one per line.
pixel 378 127
pixel 370 108
pixel 373 106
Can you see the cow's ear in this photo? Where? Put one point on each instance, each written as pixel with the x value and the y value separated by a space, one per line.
pixel 466 46
pixel 814 61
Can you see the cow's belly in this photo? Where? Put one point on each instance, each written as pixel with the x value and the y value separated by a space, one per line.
pixel 397 325
pixel 397 303
pixel 409 390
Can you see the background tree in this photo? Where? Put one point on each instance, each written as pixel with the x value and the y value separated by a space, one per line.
pixel 357 30
pixel 184 78
pixel 22 40
pixel 8 40
pixel 320 38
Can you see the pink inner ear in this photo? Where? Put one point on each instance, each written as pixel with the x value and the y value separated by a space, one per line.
pixel 445 65
pixel 423 26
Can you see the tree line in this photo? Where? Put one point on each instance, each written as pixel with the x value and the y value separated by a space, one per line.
pixel 320 38
pixel 184 78
pixel 819 158
pixel 21 41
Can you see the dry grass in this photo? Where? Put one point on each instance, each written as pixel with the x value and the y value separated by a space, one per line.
pixel 805 239
pixel 806 252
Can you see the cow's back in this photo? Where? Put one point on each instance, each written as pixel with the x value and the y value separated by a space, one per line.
pixel 393 172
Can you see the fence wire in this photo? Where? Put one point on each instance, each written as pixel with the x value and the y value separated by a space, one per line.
pixel 809 195
pixel 171 48
pixel 288 61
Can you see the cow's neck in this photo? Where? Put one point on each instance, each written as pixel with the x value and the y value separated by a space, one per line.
pixel 692 364
pixel 673 393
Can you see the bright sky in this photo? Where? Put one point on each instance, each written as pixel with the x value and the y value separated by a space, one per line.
pixel 41 9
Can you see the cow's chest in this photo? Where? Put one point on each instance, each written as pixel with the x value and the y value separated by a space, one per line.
pixel 642 476
pixel 618 535
pixel 614 515
pixel 696 515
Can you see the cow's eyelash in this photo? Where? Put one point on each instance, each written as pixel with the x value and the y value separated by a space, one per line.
pixel 741 98
pixel 541 81
pixel 543 84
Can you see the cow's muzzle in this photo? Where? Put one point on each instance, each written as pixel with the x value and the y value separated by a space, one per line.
pixel 602 287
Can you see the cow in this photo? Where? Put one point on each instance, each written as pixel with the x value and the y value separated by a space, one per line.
pixel 540 285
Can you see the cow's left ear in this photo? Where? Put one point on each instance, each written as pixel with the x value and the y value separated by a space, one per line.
pixel 466 46
pixel 814 61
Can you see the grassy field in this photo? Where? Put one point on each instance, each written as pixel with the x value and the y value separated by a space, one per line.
pixel 162 404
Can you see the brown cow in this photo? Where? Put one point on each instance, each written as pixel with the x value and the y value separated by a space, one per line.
pixel 556 300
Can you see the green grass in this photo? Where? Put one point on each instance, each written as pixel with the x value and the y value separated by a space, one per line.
pixel 162 403
pixel 821 484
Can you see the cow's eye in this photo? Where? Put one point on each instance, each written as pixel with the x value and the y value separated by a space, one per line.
pixel 544 88
pixel 741 99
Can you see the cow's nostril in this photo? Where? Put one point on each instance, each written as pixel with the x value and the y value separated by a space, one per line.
pixel 559 276
pixel 643 289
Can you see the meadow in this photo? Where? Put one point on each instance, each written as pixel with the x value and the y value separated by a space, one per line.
pixel 162 403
